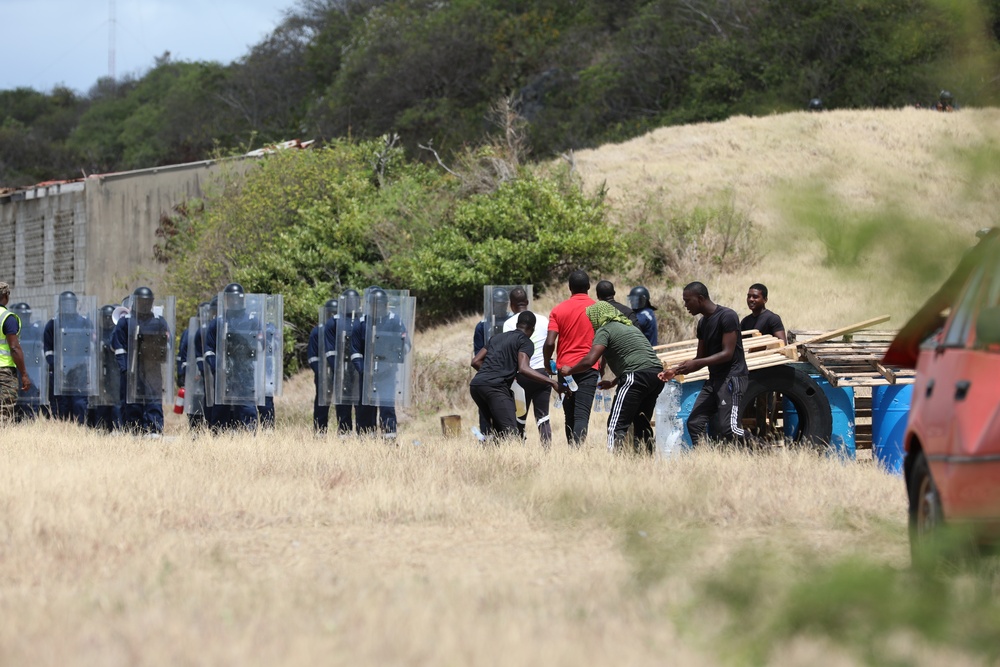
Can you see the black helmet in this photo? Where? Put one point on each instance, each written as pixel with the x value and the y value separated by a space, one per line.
pixel 638 299
pixel 330 307
pixel 378 302
pixel 235 297
pixel 67 303
pixel 107 312
pixel 946 99
pixel 352 300
pixel 815 104
pixel 142 301
pixel 23 312
pixel 500 302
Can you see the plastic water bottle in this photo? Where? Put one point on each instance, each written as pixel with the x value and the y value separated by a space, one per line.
pixel 571 383
pixel 608 398
pixel 669 428
pixel 558 402
pixel 479 434
pixel 599 401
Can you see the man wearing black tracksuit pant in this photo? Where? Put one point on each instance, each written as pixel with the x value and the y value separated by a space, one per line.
pixel 720 347
pixel 636 367
pixel 505 355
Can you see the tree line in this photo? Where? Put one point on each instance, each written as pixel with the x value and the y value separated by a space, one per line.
pixel 583 72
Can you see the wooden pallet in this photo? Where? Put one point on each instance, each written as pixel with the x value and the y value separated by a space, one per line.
pixel 855 360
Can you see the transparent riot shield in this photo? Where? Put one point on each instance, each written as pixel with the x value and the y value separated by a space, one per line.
pixel 274 343
pixel 388 358
pixel 109 376
pixel 239 357
pixel 150 373
pixel 346 381
pixel 496 307
pixel 74 369
pixel 207 316
pixel 326 352
pixel 32 343
pixel 194 378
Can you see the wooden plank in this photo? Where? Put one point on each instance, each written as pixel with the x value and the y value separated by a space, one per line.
pixel 843 330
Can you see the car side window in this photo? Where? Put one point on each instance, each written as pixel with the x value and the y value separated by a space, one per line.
pixel 957 331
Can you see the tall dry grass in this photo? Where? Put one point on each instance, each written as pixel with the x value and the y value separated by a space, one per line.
pixel 287 549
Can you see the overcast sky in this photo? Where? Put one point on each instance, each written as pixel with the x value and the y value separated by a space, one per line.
pixel 52 42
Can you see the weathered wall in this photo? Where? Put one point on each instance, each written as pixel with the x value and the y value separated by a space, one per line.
pixel 123 213
pixel 43 239
pixel 94 236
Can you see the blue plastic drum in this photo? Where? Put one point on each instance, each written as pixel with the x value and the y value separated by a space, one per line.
pixel 689 392
pixel 890 411
pixel 841 401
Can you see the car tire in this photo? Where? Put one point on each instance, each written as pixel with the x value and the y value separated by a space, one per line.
pixel 811 404
pixel 926 517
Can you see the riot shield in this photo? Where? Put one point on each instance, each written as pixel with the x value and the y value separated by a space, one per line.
pixel 496 307
pixel 388 359
pixel 326 353
pixel 109 376
pixel 207 316
pixel 346 381
pixel 32 344
pixel 194 378
pixel 151 353
pixel 239 357
pixel 74 369
pixel 274 343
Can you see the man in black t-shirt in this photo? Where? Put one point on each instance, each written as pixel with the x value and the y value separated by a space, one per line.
pixel 505 355
pixel 760 318
pixel 720 347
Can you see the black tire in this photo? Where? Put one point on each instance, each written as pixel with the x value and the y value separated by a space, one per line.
pixel 811 404
pixel 926 517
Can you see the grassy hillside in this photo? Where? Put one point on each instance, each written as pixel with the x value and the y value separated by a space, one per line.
pixel 901 193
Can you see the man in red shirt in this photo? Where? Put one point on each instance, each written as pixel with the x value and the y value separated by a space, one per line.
pixel 569 324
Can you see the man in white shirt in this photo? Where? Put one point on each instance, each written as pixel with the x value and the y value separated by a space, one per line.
pixel 536 394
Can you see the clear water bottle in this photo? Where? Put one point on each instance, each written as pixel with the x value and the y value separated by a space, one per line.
pixel 669 433
pixel 608 398
pixel 599 401
pixel 571 383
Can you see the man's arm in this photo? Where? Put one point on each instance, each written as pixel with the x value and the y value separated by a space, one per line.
pixel 525 369
pixel 17 354
pixel 549 347
pixel 477 361
pixel 596 352
pixel 729 340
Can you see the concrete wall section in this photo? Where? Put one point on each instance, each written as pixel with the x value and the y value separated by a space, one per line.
pixel 42 241
pixel 124 212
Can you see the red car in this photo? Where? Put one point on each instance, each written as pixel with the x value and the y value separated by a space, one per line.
pixel 952 441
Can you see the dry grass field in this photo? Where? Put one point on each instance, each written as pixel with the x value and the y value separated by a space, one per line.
pixel 285 549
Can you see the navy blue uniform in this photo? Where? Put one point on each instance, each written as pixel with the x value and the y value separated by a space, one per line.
pixel 146 415
pixel 107 417
pixel 647 324
pixel 321 413
pixel 66 406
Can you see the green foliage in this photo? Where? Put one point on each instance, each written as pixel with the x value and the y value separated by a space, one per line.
pixel 860 606
pixel 531 230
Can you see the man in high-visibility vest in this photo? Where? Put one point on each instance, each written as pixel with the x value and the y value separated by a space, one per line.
pixel 11 358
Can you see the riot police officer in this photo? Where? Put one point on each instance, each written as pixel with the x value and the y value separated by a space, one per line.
pixel 321 406
pixel 638 301
pixel 240 337
pixel 72 363
pixel 493 319
pixel 142 341
pixel 106 406
pixel 31 402
pixel 377 411
pixel 191 376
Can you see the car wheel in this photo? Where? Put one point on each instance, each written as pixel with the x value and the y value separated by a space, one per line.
pixel 926 518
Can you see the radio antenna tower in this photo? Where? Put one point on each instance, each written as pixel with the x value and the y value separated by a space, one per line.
pixel 111 40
